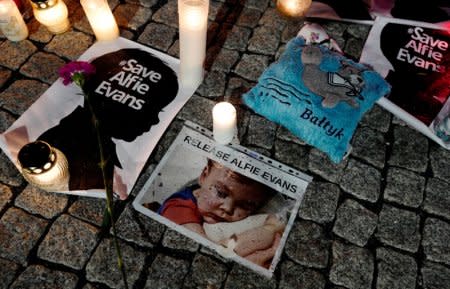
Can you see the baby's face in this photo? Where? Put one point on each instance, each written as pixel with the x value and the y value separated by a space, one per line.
pixel 223 198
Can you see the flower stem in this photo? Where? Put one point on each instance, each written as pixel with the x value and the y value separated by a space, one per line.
pixel 108 189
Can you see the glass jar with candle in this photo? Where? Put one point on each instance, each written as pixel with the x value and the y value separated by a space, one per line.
pixel 294 8
pixel 44 166
pixel 11 21
pixel 52 14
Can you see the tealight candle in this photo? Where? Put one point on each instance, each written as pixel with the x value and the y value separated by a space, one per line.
pixel 293 8
pixel 11 22
pixel 101 19
pixel 224 122
pixel 44 166
pixel 193 23
pixel 52 14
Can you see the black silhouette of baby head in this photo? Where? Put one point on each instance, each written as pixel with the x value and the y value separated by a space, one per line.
pixel 129 90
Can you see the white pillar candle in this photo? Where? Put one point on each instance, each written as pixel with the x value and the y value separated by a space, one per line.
pixel 224 122
pixel 293 8
pixel 11 22
pixel 193 24
pixel 101 19
pixel 52 14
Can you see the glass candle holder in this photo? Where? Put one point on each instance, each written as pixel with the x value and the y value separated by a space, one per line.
pixel 193 24
pixel 11 21
pixel 52 14
pixel 101 19
pixel 293 8
pixel 44 166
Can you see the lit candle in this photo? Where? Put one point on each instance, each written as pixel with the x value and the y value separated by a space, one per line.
pixel 224 122
pixel 11 22
pixel 293 8
pixel 193 23
pixel 101 19
pixel 44 166
pixel 52 14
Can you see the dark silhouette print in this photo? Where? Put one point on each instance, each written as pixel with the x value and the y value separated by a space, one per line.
pixel 127 92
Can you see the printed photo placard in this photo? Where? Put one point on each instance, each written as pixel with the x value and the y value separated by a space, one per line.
pixel 225 197
pixel 135 95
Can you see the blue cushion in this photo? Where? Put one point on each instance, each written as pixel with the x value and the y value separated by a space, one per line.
pixel 318 94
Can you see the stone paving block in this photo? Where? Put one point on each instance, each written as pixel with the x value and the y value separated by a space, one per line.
pixel 377 118
pixel 167 139
pixel 89 209
pixel 319 202
pixel 69 242
pixel 135 227
pixel 217 11
pixel 320 164
pixel 260 5
pixel 70 44
pixel 352 266
pixel 8 271
pixel 248 17
pixel 435 276
pixel 37 201
pixel 436 246
pixel 20 233
pixel 395 270
pixel 14 54
pixel 241 277
pixel 352 48
pixel 157 36
pixel 292 154
pixel 174 240
pixel 194 110
pixel 4 76
pixel 236 88
pixel 5 196
pixel 213 85
pixel 264 40
pixel 43 66
pixel 132 16
pixel 166 273
pixel 6 119
pixel 358 31
pixel 204 272
pixel 404 187
pixel 145 3
pixel 308 245
pixel 38 32
pixel 294 276
pixel 80 21
pixel 225 60
pixel 354 222
pixel 369 145
pixel 291 30
pixel 284 134
pixel 261 132
pixel 437 198
pixel 251 66
pixel 440 162
pixel 236 38
pixel 40 277
pixel 174 49
pixel 362 181
pixel 167 14
pixel 21 94
pixel 271 17
pixel 410 149
pixel 9 174
pixel 102 266
pixel 399 228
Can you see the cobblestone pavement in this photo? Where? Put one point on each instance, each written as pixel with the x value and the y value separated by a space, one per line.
pixel 380 219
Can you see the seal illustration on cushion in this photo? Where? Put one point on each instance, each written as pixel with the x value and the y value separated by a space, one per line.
pixel 344 85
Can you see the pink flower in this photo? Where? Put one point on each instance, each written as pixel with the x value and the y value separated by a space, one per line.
pixel 76 71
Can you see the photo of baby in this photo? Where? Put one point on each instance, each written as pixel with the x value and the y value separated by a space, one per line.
pixel 224 200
